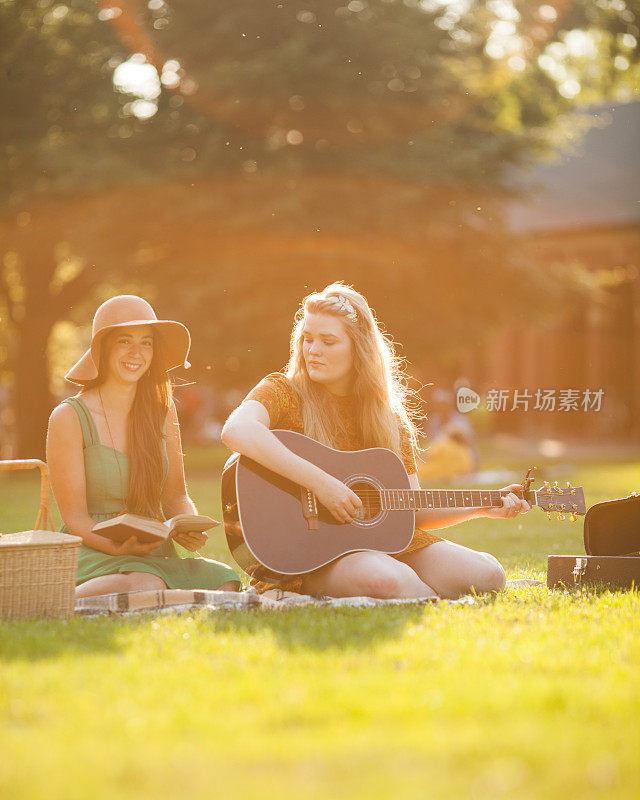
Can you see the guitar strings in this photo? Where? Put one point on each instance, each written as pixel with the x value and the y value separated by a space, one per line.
pixel 376 493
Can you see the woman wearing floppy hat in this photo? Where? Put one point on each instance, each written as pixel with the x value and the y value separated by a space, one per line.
pixel 115 446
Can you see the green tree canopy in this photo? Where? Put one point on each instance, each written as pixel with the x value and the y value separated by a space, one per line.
pixel 276 145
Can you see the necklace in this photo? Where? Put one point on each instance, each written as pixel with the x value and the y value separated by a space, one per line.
pixel 113 447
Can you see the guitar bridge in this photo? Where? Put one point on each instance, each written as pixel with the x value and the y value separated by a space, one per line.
pixel 309 508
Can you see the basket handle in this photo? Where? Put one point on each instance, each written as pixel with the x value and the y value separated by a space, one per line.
pixel 44 517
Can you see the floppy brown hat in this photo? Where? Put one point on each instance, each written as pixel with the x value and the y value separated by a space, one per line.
pixel 123 311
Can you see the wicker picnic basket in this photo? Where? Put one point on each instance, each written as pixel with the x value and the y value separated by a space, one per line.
pixel 37 568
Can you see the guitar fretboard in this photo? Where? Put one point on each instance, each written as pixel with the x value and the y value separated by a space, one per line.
pixel 409 500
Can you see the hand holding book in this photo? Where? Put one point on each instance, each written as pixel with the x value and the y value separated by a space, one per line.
pixel 150 533
pixel 190 540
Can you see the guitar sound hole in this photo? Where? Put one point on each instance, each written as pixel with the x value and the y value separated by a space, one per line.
pixel 370 496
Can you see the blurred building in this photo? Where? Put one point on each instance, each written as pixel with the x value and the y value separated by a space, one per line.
pixel 583 210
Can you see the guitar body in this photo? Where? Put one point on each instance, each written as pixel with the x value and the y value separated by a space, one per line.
pixel 266 529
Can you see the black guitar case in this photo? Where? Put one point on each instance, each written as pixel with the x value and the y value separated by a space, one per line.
pixel 612 547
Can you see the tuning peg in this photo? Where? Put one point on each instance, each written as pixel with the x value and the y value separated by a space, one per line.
pixel 569 486
pixel 549 516
pixel 528 479
pixel 561 516
pixel 562 506
pixel 572 517
pixel 556 488
pixel 547 488
pixel 574 506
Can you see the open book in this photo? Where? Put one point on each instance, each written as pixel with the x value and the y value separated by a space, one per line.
pixel 122 527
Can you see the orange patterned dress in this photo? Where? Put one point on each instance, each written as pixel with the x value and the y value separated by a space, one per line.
pixel 283 403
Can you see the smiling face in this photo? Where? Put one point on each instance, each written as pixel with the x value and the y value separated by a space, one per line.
pixel 130 353
pixel 328 352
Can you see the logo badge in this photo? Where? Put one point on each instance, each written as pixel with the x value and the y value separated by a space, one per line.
pixel 467 399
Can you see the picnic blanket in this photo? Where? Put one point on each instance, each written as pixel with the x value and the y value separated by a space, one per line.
pixel 177 600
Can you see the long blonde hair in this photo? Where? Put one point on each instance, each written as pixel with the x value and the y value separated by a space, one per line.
pixel 380 390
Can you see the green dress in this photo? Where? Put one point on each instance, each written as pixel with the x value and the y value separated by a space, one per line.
pixel 107 473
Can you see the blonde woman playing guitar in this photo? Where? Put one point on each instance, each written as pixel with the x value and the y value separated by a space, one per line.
pixel 343 387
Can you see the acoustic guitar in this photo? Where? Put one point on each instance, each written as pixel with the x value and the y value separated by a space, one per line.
pixel 276 529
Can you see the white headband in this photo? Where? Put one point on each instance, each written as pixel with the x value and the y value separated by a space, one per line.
pixel 343 306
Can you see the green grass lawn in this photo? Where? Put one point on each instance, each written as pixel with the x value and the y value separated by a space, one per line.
pixel 533 694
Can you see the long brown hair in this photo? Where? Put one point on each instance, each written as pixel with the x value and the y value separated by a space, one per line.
pixel 145 429
pixel 380 389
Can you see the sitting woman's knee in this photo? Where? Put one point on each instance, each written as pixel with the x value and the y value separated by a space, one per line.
pixel 384 586
pixel 381 581
pixel 490 575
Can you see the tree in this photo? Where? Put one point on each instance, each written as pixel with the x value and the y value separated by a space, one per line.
pixel 67 136
pixel 58 104
pixel 277 136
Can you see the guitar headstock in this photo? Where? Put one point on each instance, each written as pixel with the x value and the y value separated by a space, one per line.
pixel 565 501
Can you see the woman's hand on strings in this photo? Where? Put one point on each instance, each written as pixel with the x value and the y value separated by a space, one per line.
pixel 190 540
pixel 512 505
pixel 338 498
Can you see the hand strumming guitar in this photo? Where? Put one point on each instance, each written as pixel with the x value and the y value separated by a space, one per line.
pixel 338 498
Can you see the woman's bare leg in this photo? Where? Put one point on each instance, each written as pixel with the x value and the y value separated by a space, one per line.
pixel 230 586
pixel 120 582
pixel 453 570
pixel 366 574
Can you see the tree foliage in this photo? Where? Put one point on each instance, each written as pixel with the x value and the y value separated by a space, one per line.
pixel 278 146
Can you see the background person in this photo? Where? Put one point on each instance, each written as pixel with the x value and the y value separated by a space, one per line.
pixel 448 457
pixel 444 420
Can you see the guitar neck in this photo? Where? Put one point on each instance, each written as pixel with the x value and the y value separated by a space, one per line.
pixel 418 499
